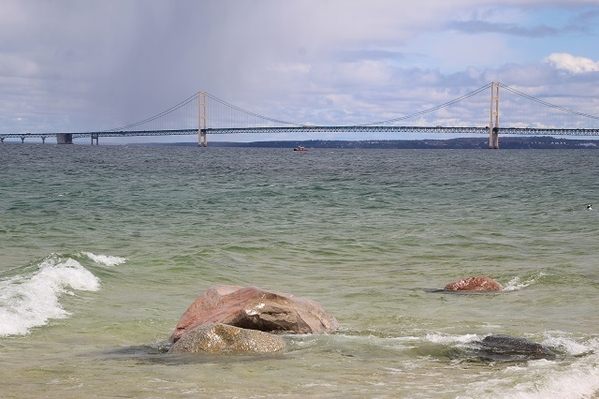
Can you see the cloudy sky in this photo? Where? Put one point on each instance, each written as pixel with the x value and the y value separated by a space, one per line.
pixel 80 65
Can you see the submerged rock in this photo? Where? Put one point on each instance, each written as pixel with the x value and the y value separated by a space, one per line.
pixel 222 338
pixel 507 348
pixel 255 309
pixel 478 283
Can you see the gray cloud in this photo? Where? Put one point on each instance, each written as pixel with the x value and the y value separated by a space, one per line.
pixel 583 22
pixel 476 27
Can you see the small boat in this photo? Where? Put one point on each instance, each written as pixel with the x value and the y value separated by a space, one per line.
pixel 300 148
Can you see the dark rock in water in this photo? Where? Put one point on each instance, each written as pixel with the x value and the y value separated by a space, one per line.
pixel 222 338
pixel 255 309
pixel 499 347
pixel 478 283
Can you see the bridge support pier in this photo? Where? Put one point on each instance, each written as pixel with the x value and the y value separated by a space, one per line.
pixel 202 139
pixel 494 117
pixel 95 137
pixel 494 137
pixel 64 138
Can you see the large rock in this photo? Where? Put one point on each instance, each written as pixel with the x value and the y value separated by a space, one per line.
pixel 507 348
pixel 255 309
pixel 222 338
pixel 478 283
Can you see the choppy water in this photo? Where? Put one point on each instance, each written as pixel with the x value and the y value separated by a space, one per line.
pixel 102 249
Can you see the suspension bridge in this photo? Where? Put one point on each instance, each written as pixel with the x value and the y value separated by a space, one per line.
pixel 475 113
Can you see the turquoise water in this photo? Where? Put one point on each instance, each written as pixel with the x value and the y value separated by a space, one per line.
pixel 102 248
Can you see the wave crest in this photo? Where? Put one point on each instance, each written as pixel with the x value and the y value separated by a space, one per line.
pixel 32 298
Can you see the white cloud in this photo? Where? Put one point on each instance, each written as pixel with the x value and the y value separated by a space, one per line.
pixel 572 63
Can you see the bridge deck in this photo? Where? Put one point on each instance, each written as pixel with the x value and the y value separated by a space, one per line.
pixel 526 131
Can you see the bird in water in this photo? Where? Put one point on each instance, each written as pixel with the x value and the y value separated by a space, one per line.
pixel 590 207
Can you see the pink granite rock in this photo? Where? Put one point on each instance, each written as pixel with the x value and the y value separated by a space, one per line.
pixel 478 283
pixel 255 309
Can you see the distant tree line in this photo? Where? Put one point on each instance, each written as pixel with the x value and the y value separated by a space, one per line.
pixel 505 142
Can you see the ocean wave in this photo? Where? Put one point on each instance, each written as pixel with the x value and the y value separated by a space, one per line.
pixel 32 298
pixel 105 260
pixel 446 339
pixel 578 380
pixel 576 376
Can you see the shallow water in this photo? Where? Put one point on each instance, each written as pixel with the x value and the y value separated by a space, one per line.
pixel 102 248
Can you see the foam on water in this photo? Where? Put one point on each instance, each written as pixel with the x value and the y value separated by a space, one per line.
pixel 31 299
pixel 105 260
pixel 517 284
pixel 451 339
pixel 570 346
pixel 578 380
pixel 554 340
pixel 576 376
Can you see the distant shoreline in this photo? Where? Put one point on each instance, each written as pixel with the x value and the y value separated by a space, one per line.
pixel 457 143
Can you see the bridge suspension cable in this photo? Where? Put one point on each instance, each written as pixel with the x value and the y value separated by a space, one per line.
pixel 172 109
pixel 433 109
pixel 547 104
pixel 250 113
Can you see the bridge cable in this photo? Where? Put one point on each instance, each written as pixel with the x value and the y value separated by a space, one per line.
pixel 159 115
pixel 456 100
pixel 549 104
pixel 236 108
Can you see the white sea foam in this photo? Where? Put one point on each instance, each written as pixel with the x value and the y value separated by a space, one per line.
pixel 438 338
pixel 570 346
pixel 105 260
pixel 579 380
pixel 517 284
pixel 547 379
pixel 31 299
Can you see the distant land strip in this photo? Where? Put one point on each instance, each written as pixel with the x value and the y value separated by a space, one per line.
pixel 457 143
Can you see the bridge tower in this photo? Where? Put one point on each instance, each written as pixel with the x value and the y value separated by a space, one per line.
pixel 202 139
pixel 494 116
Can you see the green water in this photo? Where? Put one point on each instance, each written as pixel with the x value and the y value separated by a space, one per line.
pixel 102 248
